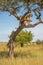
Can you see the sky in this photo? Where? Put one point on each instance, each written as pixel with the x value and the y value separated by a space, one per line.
pixel 9 23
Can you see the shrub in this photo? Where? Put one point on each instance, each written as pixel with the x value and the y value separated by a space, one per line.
pixel 24 37
pixel 38 42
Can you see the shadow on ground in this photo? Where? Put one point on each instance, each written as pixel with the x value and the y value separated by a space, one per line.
pixel 4 54
pixel 29 54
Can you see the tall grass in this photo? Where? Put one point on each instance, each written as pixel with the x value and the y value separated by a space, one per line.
pixel 27 55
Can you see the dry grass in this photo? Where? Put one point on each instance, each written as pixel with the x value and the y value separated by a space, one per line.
pixel 28 55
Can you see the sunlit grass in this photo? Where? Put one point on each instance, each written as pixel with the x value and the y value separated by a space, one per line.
pixel 27 55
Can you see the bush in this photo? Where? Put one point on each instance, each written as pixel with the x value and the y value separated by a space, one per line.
pixel 38 42
pixel 24 37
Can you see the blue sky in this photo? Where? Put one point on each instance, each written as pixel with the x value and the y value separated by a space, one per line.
pixel 10 23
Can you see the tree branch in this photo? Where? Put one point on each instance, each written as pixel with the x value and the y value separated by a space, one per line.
pixel 15 33
pixel 22 20
pixel 33 25
pixel 11 11
pixel 15 14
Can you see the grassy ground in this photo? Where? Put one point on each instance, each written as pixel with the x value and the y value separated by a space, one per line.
pixel 28 55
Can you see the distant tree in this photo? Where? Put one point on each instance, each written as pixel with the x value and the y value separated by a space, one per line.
pixel 38 42
pixel 24 37
pixel 30 36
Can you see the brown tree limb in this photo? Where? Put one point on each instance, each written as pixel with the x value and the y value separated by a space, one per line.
pixel 11 11
pixel 25 15
pixel 33 25
pixel 13 36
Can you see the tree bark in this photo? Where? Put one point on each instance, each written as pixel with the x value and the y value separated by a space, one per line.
pixel 17 32
pixel 11 50
pixel 11 41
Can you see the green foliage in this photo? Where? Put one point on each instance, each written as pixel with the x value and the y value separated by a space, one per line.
pixel 30 36
pixel 12 4
pixel 24 37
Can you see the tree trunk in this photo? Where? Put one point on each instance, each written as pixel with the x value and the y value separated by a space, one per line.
pixel 22 44
pixel 11 50
pixel 11 41
pixel 17 32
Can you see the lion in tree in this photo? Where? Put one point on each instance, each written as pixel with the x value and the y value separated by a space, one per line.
pixel 26 19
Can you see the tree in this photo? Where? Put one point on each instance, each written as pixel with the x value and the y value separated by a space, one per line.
pixel 38 42
pixel 13 7
pixel 24 37
pixel 30 36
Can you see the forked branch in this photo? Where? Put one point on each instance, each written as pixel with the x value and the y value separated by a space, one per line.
pixel 33 25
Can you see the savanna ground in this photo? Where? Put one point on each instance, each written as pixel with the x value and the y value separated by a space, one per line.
pixel 28 55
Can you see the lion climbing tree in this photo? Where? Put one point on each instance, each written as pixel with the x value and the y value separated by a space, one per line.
pixel 14 7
